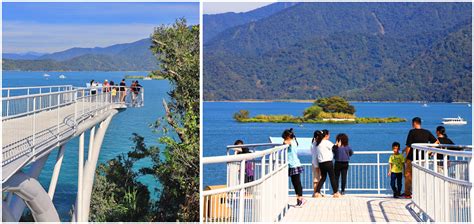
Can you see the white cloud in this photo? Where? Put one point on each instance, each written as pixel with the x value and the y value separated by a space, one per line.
pixel 28 36
pixel 222 7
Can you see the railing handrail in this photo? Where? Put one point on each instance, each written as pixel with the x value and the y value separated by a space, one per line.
pixel 431 148
pixel 240 157
pixel 35 87
pixel 37 95
pixel 237 187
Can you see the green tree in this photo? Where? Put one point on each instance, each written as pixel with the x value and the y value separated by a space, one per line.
pixel 335 104
pixel 242 114
pixel 177 49
pixel 176 166
pixel 117 193
pixel 312 112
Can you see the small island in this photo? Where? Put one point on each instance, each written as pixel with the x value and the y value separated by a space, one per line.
pixel 325 110
pixel 156 75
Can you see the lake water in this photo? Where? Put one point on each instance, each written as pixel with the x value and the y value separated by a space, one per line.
pixel 221 130
pixel 117 139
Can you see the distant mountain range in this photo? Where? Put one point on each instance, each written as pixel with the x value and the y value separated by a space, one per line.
pixel 120 57
pixel 362 51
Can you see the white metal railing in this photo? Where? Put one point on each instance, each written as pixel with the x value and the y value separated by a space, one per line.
pixel 441 187
pixel 260 198
pixel 45 115
pixel 366 177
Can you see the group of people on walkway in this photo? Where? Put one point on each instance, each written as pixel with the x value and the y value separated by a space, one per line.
pixel 329 159
pixel 115 89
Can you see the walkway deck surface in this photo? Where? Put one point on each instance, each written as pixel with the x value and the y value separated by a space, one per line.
pixel 350 208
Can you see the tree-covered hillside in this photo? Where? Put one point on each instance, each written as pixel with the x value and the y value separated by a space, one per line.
pixel 363 51
pixel 134 56
pixel 214 24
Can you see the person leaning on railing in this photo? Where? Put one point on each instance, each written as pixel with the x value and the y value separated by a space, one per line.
pixel 294 165
pixel 443 139
pixel 415 135
pixel 249 165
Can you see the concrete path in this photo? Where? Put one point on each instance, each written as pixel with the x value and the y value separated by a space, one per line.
pixel 350 208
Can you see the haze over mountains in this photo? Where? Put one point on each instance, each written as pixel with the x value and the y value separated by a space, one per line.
pixel 362 51
pixel 134 56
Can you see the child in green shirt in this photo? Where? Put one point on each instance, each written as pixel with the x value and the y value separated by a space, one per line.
pixel 395 169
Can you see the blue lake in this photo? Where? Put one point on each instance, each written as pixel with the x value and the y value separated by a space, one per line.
pixel 220 129
pixel 117 139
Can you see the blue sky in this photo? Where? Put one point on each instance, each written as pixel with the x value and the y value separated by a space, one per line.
pixel 52 27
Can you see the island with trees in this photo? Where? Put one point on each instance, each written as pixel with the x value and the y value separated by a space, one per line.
pixel 324 110
pixel 156 75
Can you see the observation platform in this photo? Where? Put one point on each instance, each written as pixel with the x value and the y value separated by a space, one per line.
pixel 351 208
pixel 441 187
pixel 35 120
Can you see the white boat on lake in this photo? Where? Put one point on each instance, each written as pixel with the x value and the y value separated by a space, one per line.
pixel 147 78
pixel 454 121
pixel 45 75
pixel 62 76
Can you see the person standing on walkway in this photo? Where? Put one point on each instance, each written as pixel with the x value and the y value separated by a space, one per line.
pixel 395 170
pixel 342 155
pixel 325 157
pixel 123 90
pixel 294 165
pixel 415 135
pixel 315 163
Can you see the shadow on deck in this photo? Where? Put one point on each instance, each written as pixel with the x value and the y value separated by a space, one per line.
pixel 351 208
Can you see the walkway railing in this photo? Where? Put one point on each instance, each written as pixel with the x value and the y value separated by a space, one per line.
pixel 249 196
pixel 441 187
pixel 362 178
pixel 36 117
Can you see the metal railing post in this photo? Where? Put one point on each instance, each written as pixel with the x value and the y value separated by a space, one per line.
pixel 75 108
pixel 446 189
pixel 50 96
pixel 57 116
pixel 34 127
pixel 378 173
pixel 28 100
pixel 242 191
pixel 8 101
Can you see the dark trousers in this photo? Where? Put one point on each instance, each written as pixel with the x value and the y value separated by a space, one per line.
pixel 340 168
pixel 327 168
pixel 398 177
pixel 296 181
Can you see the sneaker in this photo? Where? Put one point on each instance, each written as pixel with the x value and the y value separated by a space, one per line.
pixel 408 196
pixel 395 196
pixel 343 192
pixel 318 195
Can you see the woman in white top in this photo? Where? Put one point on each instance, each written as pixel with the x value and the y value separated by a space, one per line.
pixel 315 163
pixel 325 157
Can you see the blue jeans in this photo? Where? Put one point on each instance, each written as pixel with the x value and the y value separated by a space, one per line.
pixel 398 177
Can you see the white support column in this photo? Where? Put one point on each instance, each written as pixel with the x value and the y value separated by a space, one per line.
pixel 91 143
pixel 56 171
pixel 90 166
pixel 80 180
